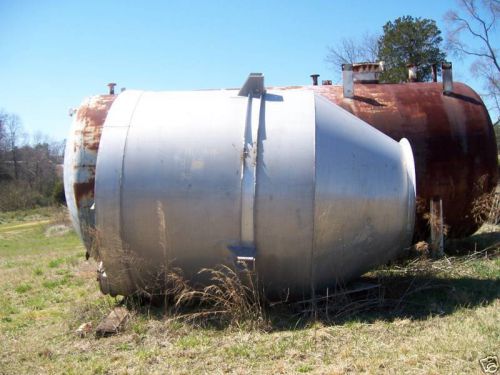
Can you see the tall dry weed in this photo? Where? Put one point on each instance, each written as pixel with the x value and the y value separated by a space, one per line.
pixel 231 297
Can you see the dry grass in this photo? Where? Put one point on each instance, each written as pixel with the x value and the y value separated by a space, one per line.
pixel 486 207
pixel 423 317
pixel 231 299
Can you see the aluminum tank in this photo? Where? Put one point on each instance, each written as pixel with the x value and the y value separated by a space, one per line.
pixel 452 139
pixel 286 180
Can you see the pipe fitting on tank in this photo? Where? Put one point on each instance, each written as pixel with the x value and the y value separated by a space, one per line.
pixel 315 79
pixel 446 67
pixel 347 81
pixel 111 86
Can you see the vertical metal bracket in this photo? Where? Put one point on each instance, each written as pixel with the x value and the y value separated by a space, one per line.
pixel 254 90
pixel 437 227
pixel 254 85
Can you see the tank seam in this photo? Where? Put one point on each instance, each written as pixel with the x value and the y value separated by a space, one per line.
pixel 122 173
pixel 313 242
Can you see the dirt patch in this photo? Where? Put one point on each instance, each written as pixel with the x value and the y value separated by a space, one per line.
pixel 57 230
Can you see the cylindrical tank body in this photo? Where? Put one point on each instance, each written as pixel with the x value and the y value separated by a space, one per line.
pixel 451 136
pixel 324 198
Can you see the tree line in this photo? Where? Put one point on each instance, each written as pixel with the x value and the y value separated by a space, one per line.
pixel 30 167
pixel 471 31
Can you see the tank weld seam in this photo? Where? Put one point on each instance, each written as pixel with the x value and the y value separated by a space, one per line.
pixel 313 242
pixel 127 252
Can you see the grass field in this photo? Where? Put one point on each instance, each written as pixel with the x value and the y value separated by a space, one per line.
pixel 428 317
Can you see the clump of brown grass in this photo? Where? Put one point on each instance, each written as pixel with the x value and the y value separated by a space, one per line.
pixel 449 265
pixel 437 228
pixel 421 249
pixel 231 298
pixel 434 223
pixel 486 208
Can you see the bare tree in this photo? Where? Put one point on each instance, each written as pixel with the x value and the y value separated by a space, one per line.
pixel 3 145
pixel 352 50
pixel 2 127
pixel 38 168
pixel 3 135
pixel 29 167
pixel 477 19
pixel 14 132
pixel 39 138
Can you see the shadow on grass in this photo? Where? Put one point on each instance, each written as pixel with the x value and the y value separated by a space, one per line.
pixel 398 297
pixel 413 296
pixel 477 242
pixel 416 289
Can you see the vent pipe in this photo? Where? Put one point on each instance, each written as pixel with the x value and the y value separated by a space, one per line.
pixel 446 68
pixel 111 88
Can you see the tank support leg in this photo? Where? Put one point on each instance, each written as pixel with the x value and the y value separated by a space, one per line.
pixel 437 228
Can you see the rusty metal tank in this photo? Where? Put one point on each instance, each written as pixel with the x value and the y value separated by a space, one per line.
pixel 451 136
pixel 304 191
pixel 80 161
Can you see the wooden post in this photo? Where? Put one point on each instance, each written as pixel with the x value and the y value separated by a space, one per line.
pixel 437 228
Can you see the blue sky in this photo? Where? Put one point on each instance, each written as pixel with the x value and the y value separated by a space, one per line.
pixel 55 53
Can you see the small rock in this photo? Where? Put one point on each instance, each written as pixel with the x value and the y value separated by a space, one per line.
pixel 113 323
pixel 84 329
pixel 47 353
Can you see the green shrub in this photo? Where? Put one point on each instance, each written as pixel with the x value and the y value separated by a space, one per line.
pixel 58 193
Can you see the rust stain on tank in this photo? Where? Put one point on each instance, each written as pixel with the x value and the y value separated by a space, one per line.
pixel 90 118
pixel 84 191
